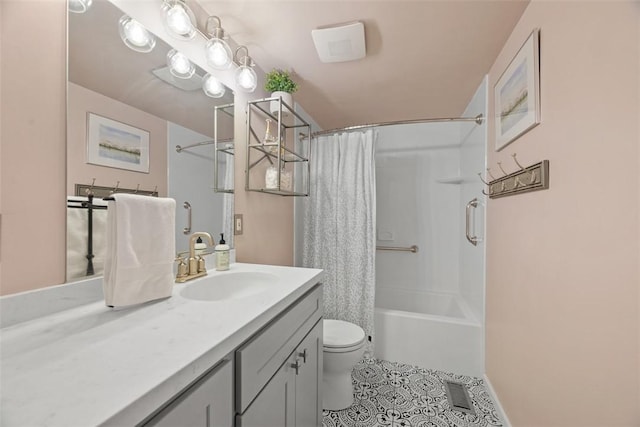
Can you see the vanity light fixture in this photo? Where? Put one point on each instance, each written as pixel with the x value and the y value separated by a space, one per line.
pixel 179 19
pixel 135 36
pixel 79 6
pixel 245 77
pixel 217 51
pixel 212 87
pixel 179 65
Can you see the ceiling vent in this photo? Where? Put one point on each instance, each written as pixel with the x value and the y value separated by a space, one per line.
pixel 190 84
pixel 340 43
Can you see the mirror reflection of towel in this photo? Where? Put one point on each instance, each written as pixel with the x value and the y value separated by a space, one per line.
pixel 77 232
pixel 140 249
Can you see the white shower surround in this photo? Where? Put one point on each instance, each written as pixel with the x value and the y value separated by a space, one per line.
pixel 430 305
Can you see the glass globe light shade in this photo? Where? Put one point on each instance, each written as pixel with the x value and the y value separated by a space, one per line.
pixel 79 6
pixel 135 36
pixel 246 78
pixel 218 54
pixel 212 87
pixel 179 19
pixel 179 65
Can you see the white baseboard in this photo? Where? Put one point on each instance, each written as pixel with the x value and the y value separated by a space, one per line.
pixel 496 402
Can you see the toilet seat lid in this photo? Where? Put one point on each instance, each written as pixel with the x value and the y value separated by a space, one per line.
pixel 340 334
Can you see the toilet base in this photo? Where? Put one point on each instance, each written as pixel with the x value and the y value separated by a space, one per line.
pixel 337 391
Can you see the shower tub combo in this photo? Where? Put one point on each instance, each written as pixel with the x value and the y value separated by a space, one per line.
pixel 428 329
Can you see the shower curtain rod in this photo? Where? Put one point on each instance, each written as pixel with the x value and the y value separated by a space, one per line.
pixel 477 119
pixel 198 144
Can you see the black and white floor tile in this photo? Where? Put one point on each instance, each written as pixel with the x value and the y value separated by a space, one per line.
pixel 390 394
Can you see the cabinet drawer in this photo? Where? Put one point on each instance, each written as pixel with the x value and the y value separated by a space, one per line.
pixel 259 358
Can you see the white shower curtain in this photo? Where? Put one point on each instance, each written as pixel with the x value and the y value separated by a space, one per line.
pixel 340 224
pixel 227 202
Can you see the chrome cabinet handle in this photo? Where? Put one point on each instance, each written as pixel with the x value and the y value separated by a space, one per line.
pixel 472 239
pixel 303 355
pixel 187 229
pixel 296 366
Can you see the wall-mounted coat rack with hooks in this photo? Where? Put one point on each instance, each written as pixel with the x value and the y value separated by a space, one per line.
pixel 101 191
pixel 525 179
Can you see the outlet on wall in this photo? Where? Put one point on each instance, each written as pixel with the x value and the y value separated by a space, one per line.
pixel 237 224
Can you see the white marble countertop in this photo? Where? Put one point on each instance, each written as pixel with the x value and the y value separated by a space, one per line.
pixel 90 365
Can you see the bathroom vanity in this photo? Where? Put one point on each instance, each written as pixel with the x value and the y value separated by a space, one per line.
pixel 210 355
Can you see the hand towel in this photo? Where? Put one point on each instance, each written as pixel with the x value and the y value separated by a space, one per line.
pixel 140 249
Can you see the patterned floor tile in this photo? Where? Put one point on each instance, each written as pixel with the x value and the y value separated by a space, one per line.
pixel 391 394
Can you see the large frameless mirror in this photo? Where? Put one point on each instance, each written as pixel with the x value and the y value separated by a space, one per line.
pixel 134 126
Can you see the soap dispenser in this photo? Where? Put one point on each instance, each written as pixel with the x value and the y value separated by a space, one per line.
pixel 222 254
pixel 200 246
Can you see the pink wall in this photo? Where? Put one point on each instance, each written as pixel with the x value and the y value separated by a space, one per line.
pixel 1 50
pixel 80 102
pixel 562 322
pixel 33 145
pixel 638 207
pixel 268 219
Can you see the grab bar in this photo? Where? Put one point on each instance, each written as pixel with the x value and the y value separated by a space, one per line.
pixel 187 229
pixel 413 248
pixel 472 239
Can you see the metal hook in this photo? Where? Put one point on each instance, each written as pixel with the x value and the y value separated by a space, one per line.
pixel 533 177
pixel 490 174
pixel 136 190
pixel 518 183
pixel 503 171
pixel 486 194
pixel 155 190
pixel 516 160
pixel 89 190
pixel 115 190
pixel 481 179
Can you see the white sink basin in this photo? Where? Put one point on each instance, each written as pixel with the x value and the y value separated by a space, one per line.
pixel 232 285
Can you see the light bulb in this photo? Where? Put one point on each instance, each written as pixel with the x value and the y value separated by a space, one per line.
pixel 246 78
pixel 136 33
pixel 212 87
pixel 79 6
pixel 135 36
pixel 178 19
pixel 218 54
pixel 179 65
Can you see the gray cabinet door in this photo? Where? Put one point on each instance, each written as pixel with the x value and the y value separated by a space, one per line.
pixel 275 405
pixel 309 379
pixel 208 403
pixel 262 355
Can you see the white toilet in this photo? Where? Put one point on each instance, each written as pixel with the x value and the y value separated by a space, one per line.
pixel 343 347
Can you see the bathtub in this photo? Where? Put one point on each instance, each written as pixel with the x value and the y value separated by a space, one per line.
pixel 428 329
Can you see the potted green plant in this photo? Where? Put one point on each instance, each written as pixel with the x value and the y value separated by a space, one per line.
pixel 281 85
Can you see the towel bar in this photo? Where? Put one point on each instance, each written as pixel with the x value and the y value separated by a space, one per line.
pixel 413 248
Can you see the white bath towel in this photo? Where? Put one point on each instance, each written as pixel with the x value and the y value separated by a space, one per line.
pixel 140 249
pixel 77 235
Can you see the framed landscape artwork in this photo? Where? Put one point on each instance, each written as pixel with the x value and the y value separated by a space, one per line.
pixel 517 94
pixel 116 145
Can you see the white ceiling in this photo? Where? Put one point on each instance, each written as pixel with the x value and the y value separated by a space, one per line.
pixel 424 58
